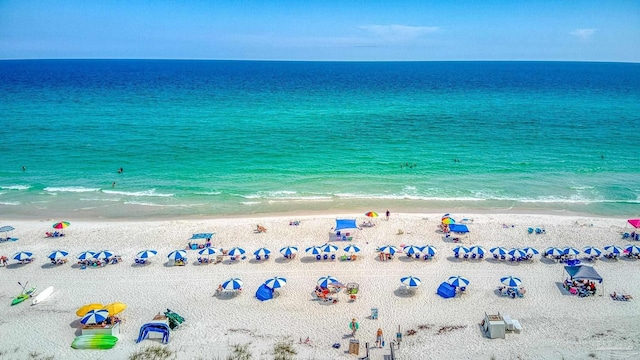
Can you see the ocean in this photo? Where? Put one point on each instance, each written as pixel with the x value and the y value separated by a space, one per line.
pixel 233 138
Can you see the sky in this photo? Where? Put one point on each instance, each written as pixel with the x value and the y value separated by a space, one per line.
pixel 324 30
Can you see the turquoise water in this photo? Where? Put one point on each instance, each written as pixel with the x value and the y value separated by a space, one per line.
pixel 212 138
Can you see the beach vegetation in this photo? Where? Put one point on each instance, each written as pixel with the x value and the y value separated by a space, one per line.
pixel 240 352
pixel 33 355
pixel 284 350
pixel 155 352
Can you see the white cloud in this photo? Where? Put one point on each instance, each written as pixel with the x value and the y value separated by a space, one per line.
pixel 583 34
pixel 399 32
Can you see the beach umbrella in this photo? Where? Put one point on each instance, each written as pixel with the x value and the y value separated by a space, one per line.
pixel 61 225
pixel 448 221
pixel 232 284
pixel 104 254
pixel 84 309
pixel 115 308
pixel 262 252
pixel 288 250
pixel 517 253
pixel 275 282
pixel 236 251
pixel 177 255
pixel 371 214
pixel 478 250
pixel 6 229
pixel 352 248
pixel 314 250
pixel 458 281
pixel 571 251
pixel 428 250
pixel 511 281
pixel 388 249
pixel 613 249
pixel 86 255
pixel 632 249
pixel 208 251
pixel 22 255
pixel 325 281
pixel 58 254
pixel 531 251
pixel 634 222
pixel 458 249
pixel 554 251
pixel 411 281
pixel 145 254
pixel 411 249
pixel 94 317
pixel 592 251
pixel 498 250
pixel 329 248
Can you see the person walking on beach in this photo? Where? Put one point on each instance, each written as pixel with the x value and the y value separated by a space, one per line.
pixel 354 326
pixel 379 339
pixel 388 214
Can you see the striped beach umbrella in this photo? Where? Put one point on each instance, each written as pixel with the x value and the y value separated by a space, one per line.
pixel 478 250
pixel 95 317
pixel 104 254
pixel 177 255
pixel 314 250
pixel 517 253
pixel 325 281
pixel 571 251
pixel 554 251
pixel 411 281
pixel 458 281
pixel 613 249
pixel 288 250
pixel 531 251
pixel 632 249
pixel 208 251
pixel 275 282
pixel 145 254
pixel 85 255
pixel 428 250
pixel 388 249
pixel 236 251
pixel 22 255
pixel 58 254
pixel 411 250
pixel 592 251
pixel 499 250
pixel 329 248
pixel 352 248
pixel 262 252
pixel 460 249
pixel 511 281
pixel 61 225
pixel 371 214
pixel 232 284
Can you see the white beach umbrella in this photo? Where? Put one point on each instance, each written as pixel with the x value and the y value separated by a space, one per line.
pixel 632 249
pixel 458 281
pixel 517 253
pixel 232 284
pixel 236 251
pixel 511 281
pixel 411 250
pixel 428 250
pixel 86 255
pixel 208 251
pixel 275 282
pixel 262 252
pixel 104 254
pixel 411 281
pixel 352 248
pixel 499 250
pixel 592 251
pixel 460 249
pixel 177 255
pixel 329 248
pixel 478 250
pixel 288 250
pixel 571 251
pixel 22 255
pixel 325 281
pixel 613 249
pixel 388 249
pixel 58 254
pixel 145 254
pixel 314 250
pixel 554 251
pixel 95 317
pixel 531 251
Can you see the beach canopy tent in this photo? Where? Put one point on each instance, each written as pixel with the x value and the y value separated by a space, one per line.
pixel 583 272
pixel 264 293
pixel 634 222
pixel 446 290
pixel 202 236
pixel 345 224
pixel 458 228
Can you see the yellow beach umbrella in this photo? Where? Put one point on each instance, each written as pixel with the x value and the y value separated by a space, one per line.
pixel 83 310
pixel 115 308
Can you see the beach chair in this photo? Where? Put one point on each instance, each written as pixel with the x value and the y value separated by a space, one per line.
pixel 530 230
pixel 318 257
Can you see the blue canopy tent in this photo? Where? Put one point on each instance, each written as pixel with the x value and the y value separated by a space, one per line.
pixel 459 228
pixel 446 290
pixel 583 272
pixel 202 236
pixel 264 293
pixel 345 224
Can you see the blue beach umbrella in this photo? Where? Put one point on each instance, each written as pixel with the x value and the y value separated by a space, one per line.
pixel 411 250
pixel 428 250
pixel 177 255
pixel 208 251
pixel 22 255
pixel 478 250
pixel 6 228
pixel 460 249
pixel 262 252
pixel 232 284
pixel 571 251
pixel 511 281
pixel 592 251
pixel 58 254
pixel 517 253
pixel 458 281
pixel 325 281
pixel 499 250
pixel 145 254
pixel 411 281
pixel 388 249
pixel 104 254
pixel 554 251
pixel 329 248
pixel 352 248
pixel 314 250
pixel 632 249
pixel 288 250
pixel 531 251
pixel 86 255
pixel 613 249
pixel 275 282
pixel 95 317
pixel 236 251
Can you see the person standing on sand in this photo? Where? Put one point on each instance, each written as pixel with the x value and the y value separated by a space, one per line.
pixel 379 340
pixel 388 214
pixel 354 326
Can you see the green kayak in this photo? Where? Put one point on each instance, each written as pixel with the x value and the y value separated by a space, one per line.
pixel 94 342
pixel 24 296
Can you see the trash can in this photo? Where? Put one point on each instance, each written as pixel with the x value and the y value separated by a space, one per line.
pixel 354 346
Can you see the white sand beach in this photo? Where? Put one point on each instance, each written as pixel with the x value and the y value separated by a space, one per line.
pixel 556 325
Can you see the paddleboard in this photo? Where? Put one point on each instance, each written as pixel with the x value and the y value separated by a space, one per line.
pixel 44 294
pixel 97 341
pixel 24 296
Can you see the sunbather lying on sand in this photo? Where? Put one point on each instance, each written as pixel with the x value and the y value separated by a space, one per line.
pixel 261 229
